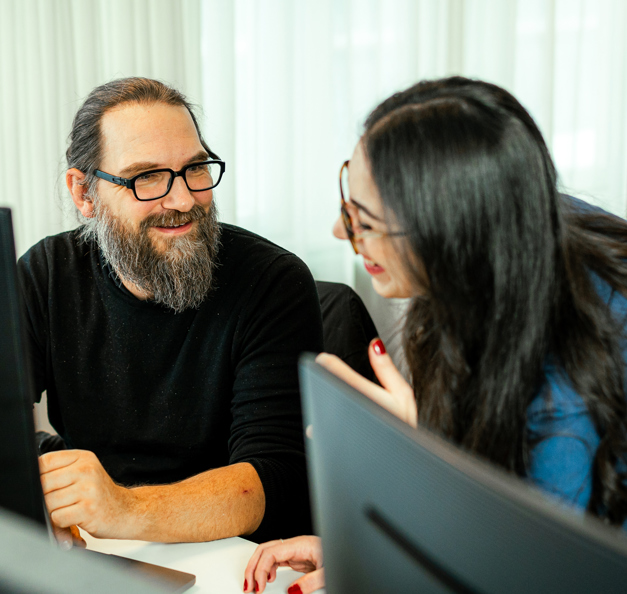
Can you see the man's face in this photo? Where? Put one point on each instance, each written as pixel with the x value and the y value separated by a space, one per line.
pixel 137 138
pixel 162 249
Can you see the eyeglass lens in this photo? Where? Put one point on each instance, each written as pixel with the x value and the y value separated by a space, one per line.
pixel 155 184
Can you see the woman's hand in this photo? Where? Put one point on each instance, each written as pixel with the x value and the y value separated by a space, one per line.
pixel 396 395
pixel 303 553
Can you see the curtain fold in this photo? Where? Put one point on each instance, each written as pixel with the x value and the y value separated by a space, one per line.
pixel 52 54
pixel 302 76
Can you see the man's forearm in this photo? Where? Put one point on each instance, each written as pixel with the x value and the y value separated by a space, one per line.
pixel 219 503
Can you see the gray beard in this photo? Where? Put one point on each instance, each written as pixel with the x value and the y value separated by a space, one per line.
pixel 182 275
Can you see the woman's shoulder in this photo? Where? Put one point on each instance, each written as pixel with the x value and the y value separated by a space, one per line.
pixel 556 397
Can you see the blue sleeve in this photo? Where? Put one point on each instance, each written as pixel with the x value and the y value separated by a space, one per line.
pixel 563 438
pixel 564 442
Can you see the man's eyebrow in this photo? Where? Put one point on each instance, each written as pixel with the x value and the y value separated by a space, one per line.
pixel 199 156
pixel 136 168
pixel 364 209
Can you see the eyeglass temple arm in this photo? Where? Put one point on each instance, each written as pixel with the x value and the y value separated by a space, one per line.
pixel 120 181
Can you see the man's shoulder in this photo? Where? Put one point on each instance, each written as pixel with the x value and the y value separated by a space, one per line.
pixel 68 241
pixel 248 262
pixel 251 250
pixel 239 237
pixel 64 249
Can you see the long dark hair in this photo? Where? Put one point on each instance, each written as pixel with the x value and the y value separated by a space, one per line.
pixel 505 267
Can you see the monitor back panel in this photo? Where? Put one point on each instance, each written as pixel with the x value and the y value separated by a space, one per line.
pixel 402 511
pixel 20 488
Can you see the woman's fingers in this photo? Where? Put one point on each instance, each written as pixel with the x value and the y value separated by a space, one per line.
pixel 308 583
pixel 346 373
pixel 385 370
pixel 393 382
pixel 303 553
pixel 396 395
pixel 249 580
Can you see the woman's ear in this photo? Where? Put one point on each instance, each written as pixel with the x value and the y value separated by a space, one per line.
pixel 74 180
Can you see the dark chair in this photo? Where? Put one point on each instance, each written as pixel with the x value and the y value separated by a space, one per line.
pixel 347 326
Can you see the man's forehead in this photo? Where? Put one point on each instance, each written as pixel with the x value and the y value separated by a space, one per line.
pixel 153 133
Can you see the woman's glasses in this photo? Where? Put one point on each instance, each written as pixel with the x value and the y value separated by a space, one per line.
pixel 354 231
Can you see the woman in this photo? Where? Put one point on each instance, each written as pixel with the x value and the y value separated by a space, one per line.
pixel 515 335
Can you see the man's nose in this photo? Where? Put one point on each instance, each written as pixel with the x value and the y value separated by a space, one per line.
pixel 179 197
pixel 339 230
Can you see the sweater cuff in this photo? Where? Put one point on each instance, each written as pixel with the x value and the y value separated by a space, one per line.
pixel 286 492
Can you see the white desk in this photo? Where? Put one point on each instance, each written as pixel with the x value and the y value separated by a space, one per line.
pixel 218 566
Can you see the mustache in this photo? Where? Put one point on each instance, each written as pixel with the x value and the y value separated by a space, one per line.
pixel 174 217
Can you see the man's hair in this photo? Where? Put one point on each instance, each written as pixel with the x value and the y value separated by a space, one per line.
pixel 85 140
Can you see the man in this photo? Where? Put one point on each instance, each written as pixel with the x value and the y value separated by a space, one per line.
pixel 167 342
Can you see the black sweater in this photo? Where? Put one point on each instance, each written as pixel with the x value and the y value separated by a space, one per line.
pixel 159 396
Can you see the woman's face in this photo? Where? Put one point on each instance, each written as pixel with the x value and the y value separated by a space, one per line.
pixel 381 258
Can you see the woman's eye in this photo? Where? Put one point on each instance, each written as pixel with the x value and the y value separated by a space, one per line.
pixel 364 227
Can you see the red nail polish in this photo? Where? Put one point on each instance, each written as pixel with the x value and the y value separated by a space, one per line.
pixel 256 587
pixel 295 589
pixel 245 585
pixel 379 347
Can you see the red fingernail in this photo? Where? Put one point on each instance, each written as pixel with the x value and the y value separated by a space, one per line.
pixel 256 587
pixel 379 347
pixel 245 585
pixel 295 589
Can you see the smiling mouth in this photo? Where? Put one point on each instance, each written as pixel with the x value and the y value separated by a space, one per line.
pixel 173 226
pixel 181 227
pixel 373 267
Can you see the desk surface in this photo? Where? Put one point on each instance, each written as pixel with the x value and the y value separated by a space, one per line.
pixel 218 566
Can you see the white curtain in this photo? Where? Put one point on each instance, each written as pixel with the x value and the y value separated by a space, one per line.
pixel 286 85
pixel 52 54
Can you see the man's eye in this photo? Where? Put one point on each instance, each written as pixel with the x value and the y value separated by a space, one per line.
pixel 151 178
pixel 364 227
pixel 198 169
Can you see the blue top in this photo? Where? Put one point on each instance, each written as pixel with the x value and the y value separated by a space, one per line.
pixel 561 463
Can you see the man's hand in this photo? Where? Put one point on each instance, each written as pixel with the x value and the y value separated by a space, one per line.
pixel 303 553
pixel 396 395
pixel 78 491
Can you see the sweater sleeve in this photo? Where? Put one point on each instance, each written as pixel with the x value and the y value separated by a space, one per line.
pixel 282 319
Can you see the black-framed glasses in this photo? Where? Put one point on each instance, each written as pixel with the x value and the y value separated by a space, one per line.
pixel 156 183
pixel 355 235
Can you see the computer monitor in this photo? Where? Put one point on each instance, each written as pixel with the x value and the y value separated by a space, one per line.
pixel 401 510
pixel 20 488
